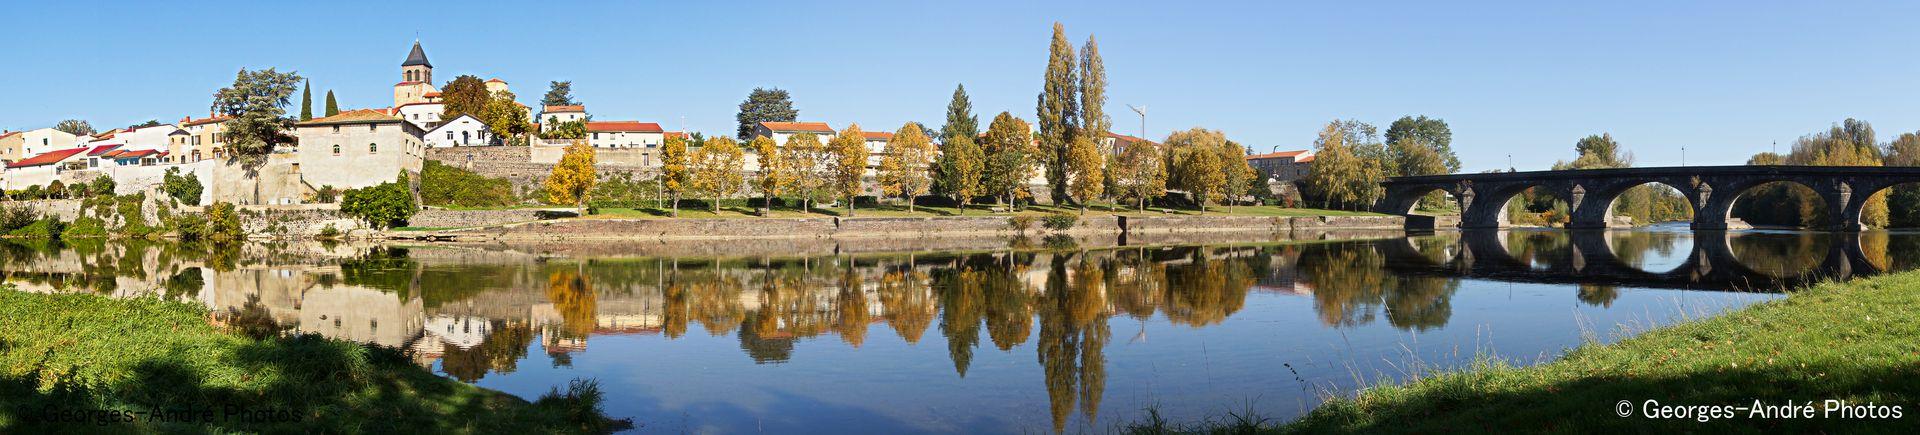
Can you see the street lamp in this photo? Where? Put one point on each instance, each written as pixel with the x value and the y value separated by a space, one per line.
pixel 1142 110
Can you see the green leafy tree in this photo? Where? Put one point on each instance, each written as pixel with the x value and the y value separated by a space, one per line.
pixel 961 121
pixel 774 175
pixel 1237 176
pixel 675 177
pixel 1009 161
pixel 257 101
pixel 223 223
pixel 506 119
pixel 464 95
pixel 962 166
pixel 1139 173
pixel 764 105
pixel 573 176
pixel 1903 201
pixel 904 169
pixel 333 107
pixel 1848 143
pixel 716 169
pixel 1347 166
pixel 847 163
pixel 444 185
pixel 559 93
pixel 575 129
pixel 1429 132
pixel 385 205
pixel 75 127
pixel 306 101
pixel 181 187
pixel 1058 113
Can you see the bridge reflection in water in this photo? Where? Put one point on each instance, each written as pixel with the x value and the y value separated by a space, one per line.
pixel 1587 257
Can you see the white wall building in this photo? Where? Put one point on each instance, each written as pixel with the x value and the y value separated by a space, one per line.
pixel 358 148
pixel 463 131
pixel 425 115
pixel 780 131
pixel 551 115
pixel 17 145
pixel 625 134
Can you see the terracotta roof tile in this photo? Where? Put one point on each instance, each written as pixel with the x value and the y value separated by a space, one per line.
pixel 877 135
pixel 807 127
pixel 47 158
pixel 208 120
pixel 1275 155
pixel 643 127
pixel 103 149
pixel 574 108
pixel 1307 159
pixel 360 116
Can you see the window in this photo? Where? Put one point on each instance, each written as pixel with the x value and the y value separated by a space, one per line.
pixel 373 148
pixel 336 129
pixel 336 149
pixel 449 135
pixel 373 127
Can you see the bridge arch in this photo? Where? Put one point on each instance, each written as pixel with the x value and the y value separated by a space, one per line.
pixel 1762 195
pixel 1597 200
pixel 1489 201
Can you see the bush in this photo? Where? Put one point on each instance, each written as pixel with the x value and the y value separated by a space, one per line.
pixel 86 227
pixel 16 217
pixel 56 190
pixel 329 232
pixel 183 188
pixel 384 206
pixel 102 186
pixel 45 228
pixel 1020 224
pixel 189 227
pixel 223 223
pixel 326 194
pixel 1059 221
pixel 447 186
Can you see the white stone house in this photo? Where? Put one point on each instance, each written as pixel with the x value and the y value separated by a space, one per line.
pixel 551 116
pixel 425 115
pixel 18 145
pixel 358 148
pixel 780 131
pixel 462 131
pixel 625 134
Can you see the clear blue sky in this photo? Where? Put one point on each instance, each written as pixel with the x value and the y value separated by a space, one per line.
pixel 1723 79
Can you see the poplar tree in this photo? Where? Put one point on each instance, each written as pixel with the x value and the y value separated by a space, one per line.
pixel 1094 121
pixel 847 163
pixel 774 172
pixel 673 170
pixel 716 169
pixel 904 169
pixel 1058 113
pixel 306 101
pixel 333 107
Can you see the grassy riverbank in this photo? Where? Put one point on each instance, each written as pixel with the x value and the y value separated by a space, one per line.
pixel 88 357
pixel 977 210
pixel 1856 341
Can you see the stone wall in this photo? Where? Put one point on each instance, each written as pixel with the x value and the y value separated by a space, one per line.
pixel 520 166
pixel 436 218
pixel 298 222
pixel 890 227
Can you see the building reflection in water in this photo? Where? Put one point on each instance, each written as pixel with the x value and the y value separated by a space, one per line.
pixel 478 312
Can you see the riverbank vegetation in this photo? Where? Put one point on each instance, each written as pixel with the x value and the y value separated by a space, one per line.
pixel 1837 341
pixel 132 216
pixel 85 362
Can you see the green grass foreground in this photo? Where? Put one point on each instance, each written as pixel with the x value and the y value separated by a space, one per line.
pixel 92 364
pixel 1856 341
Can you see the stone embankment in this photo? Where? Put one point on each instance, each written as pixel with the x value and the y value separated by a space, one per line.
pixel 889 227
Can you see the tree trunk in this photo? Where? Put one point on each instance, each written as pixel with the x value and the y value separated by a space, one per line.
pixel 849 206
pixel 766 205
pixel 676 205
pixel 909 204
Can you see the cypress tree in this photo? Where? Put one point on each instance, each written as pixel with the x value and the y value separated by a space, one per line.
pixel 333 107
pixel 306 101
pixel 1058 113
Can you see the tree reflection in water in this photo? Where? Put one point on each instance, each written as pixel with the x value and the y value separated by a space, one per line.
pixel 485 315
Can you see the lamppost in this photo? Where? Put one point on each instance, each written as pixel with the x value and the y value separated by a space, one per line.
pixel 1142 110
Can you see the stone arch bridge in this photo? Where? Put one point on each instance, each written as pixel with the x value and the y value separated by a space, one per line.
pixel 1589 193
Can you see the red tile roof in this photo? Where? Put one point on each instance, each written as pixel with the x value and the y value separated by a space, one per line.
pixel 360 116
pixel 208 120
pixel 136 154
pixel 643 127
pixel 9 134
pixel 47 158
pixel 877 135
pixel 496 80
pixel 1276 155
pixel 552 109
pixel 1307 159
pixel 103 149
pixel 808 127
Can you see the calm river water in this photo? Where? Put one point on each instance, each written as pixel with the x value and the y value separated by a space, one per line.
pixel 991 340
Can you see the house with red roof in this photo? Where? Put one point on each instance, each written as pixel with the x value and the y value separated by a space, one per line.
pixel 1282 165
pixel 625 134
pixel 16 145
pixel 358 148
pixel 551 116
pixel 781 131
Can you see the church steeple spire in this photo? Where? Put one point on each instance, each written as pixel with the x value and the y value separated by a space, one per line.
pixel 417 57
pixel 416 68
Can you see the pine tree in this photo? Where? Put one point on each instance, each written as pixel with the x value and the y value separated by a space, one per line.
pixel 904 170
pixel 848 163
pixel 306 101
pixel 960 119
pixel 1058 113
pixel 333 107
pixel 764 105
pixel 673 170
pixel 559 93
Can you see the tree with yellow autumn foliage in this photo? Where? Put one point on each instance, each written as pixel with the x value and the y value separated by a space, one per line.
pixel 716 169
pixel 847 163
pixel 774 174
pixel 904 172
pixel 573 177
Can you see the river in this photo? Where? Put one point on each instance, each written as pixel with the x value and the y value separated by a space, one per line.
pixel 1045 337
